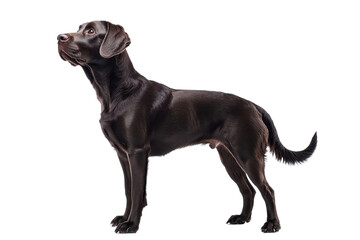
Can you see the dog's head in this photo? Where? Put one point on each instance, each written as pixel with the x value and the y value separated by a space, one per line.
pixel 92 42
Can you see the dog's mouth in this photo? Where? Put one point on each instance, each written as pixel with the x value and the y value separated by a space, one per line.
pixel 73 60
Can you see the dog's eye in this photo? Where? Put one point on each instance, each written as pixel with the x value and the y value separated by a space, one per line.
pixel 90 31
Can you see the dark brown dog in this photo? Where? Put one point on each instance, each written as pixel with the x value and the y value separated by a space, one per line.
pixel 143 118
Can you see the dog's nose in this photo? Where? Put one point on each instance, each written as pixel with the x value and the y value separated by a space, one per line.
pixel 63 38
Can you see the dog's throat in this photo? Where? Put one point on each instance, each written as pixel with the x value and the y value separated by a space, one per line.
pixel 102 91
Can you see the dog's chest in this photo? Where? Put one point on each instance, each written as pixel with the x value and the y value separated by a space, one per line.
pixel 114 131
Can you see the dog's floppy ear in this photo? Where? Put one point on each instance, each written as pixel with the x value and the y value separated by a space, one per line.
pixel 115 41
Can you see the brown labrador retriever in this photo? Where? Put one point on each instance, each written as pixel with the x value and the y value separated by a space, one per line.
pixel 143 118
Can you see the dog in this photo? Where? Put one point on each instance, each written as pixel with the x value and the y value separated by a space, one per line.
pixel 142 118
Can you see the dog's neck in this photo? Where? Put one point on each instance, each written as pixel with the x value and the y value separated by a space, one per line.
pixel 114 80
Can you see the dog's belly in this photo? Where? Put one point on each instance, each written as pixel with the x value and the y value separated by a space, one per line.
pixel 162 146
pixel 175 132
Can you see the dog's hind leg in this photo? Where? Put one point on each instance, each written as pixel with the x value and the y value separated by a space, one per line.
pixel 247 143
pixel 239 177
pixel 255 170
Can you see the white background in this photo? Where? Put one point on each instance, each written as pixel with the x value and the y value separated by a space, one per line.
pixel 60 178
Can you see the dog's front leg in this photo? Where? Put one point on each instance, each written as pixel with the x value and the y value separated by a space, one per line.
pixel 127 180
pixel 138 159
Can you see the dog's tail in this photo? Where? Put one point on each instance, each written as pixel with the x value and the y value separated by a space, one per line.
pixel 276 147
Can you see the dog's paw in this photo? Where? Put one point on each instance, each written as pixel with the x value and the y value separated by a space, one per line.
pixel 238 219
pixel 118 220
pixel 127 227
pixel 271 226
